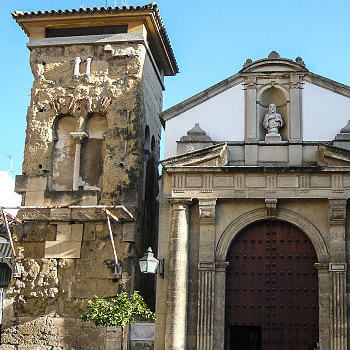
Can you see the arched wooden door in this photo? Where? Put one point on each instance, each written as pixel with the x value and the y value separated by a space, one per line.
pixel 271 289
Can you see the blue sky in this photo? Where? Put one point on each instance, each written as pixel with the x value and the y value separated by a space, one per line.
pixel 211 40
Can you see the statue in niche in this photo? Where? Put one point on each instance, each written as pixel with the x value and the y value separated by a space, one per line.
pixel 273 122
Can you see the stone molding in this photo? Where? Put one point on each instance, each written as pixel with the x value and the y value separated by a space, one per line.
pixel 271 207
pixel 180 203
pixel 337 211
pixel 322 267
pixel 220 266
pixel 207 211
pixel 206 266
pixel 249 217
pixel 337 267
pixel 69 105
pixel 201 183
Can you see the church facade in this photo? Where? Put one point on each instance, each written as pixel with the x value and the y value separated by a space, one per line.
pixel 254 213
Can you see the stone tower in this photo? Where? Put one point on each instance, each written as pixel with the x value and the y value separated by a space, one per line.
pixel 92 140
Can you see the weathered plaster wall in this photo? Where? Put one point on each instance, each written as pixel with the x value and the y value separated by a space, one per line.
pixel 221 117
pixel 324 119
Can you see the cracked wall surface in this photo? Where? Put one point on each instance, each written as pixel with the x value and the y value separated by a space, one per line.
pixel 100 119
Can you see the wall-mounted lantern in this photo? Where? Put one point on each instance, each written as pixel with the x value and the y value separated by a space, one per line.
pixel 149 264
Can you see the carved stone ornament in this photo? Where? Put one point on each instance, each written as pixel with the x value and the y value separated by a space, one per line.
pixel 76 71
pixel 272 123
pixel 207 211
pixel 79 136
pixel 73 105
pixel 86 104
pixel 105 103
pixel 56 106
pixel 207 214
pixel 271 207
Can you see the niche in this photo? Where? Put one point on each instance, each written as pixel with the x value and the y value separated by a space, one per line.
pixel 278 97
pixel 63 162
pixel 92 153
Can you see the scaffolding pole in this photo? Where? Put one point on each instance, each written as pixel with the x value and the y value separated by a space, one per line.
pixel 102 207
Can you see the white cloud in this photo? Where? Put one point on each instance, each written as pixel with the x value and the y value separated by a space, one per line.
pixel 8 197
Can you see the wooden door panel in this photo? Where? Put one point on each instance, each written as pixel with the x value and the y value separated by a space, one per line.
pixel 272 283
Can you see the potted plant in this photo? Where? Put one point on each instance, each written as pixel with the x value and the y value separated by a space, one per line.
pixel 118 311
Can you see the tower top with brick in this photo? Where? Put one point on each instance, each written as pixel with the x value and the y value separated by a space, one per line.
pixel 140 23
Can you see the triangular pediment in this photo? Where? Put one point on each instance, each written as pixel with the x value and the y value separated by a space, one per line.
pixel 209 156
pixel 332 156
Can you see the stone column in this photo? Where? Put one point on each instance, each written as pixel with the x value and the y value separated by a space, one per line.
pixel 177 272
pixel 206 267
pixel 337 268
pixel 78 137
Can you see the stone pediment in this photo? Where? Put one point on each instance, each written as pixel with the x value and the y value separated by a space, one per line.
pixel 209 156
pixel 274 63
pixel 332 156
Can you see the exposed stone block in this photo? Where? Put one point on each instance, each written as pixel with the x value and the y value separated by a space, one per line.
pixel 89 200
pixel 52 249
pixel 34 249
pixel 129 232
pixel 62 249
pixel 64 232
pixel 77 233
pixel 70 250
pixel 34 198
pixel 89 232
pixel 21 183
pixel 36 183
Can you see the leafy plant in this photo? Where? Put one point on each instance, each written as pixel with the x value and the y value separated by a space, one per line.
pixel 118 311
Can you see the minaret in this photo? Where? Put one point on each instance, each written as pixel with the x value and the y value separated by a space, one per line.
pixel 92 140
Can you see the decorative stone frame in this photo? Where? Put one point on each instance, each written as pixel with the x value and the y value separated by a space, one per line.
pixel 290 83
pixel 286 116
pixel 322 253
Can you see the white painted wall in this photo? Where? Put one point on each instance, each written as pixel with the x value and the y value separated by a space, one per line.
pixel 221 117
pixel 324 113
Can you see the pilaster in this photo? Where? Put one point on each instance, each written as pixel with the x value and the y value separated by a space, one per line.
pixel 339 322
pixel 251 131
pixel 295 109
pixel 337 269
pixel 324 304
pixel 219 302
pixel 175 330
pixel 206 267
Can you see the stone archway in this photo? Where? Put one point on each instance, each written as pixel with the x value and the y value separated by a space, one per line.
pixel 228 235
pixel 252 216
pixel 271 289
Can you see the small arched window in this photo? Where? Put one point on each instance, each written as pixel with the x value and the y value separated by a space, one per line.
pixel 63 162
pixel 92 152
